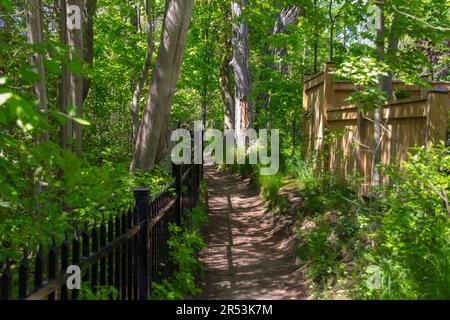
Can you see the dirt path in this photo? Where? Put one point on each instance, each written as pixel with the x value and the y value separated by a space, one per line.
pixel 247 257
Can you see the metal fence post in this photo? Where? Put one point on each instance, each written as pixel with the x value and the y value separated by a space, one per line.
pixel 142 205
pixel 196 184
pixel 176 173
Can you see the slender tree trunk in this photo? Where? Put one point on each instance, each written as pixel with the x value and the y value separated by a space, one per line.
pixel 88 39
pixel 205 100
pixel 226 94
pixel 63 85
pixel 378 114
pixel 332 42
pixel 226 91
pixel 316 42
pixel 239 42
pixel 207 58
pixel 392 51
pixel 75 92
pixel 134 108
pixel 164 78
pixel 35 37
pixel 316 53
pixel 286 17
pixel 332 22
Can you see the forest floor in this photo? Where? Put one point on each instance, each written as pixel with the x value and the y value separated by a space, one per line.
pixel 250 252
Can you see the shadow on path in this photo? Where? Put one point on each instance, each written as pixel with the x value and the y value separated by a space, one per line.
pixel 245 258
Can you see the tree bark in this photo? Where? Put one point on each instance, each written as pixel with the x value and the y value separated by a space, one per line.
pixel 226 91
pixel 90 7
pixel 226 94
pixel 332 22
pixel 286 17
pixel 333 19
pixel 239 42
pixel 316 42
pixel 134 108
pixel 207 58
pixel 392 52
pixel 75 92
pixel 378 114
pixel 164 78
pixel 65 132
pixel 35 37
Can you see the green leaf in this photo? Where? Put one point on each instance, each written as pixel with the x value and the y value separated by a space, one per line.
pixel 74 67
pixel 5 205
pixel 29 76
pixel 71 111
pixel 52 66
pixel 8 141
pixel 81 121
pixel 73 117
pixel 7 5
pixel 5 97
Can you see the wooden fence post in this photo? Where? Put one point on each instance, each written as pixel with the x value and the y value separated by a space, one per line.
pixel 328 88
pixel 306 122
pixel 328 103
pixel 423 90
pixel 142 205
pixel 437 116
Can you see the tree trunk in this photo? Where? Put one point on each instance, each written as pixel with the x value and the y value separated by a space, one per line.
pixel 226 94
pixel 65 133
pixel 378 114
pixel 206 57
pixel 332 42
pixel 332 22
pixel 134 108
pixel 164 78
pixel 75 92
pixel 88 39
pixel 316 41
pixel 35 37
pixel 287 16
pixel 226 91
pixel 239 42
pixel 392 51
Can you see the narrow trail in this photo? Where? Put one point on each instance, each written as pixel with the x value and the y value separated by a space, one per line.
pixel 247 256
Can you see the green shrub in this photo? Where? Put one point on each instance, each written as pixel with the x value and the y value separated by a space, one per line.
pixel 299 169
pixel 182 284
pixel 101 293
pixel 414 233
pixel 184 244
pixel 270 190
pixel 404 233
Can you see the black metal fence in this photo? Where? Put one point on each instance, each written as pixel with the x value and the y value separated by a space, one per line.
pixel 128 251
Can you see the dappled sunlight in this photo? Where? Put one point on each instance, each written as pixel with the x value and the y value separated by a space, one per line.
pixel 246 257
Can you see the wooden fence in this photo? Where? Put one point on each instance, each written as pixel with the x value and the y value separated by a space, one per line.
pixel 128 251
pixel 419 119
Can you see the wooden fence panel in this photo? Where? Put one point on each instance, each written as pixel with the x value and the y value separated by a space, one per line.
pixel 420 118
